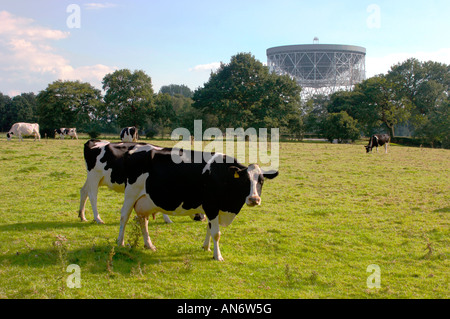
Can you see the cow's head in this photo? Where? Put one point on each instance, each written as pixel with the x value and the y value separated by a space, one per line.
pixel 250 181
pixel 368 148
pixel 8 135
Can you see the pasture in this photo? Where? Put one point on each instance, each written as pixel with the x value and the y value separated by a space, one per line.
pixel 331 213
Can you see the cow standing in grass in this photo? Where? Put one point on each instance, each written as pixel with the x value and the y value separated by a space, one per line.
pixel 63 132
pixel 129 134
pixel 24 129
pixel 218 187
pixel 105 167
pixel 378 140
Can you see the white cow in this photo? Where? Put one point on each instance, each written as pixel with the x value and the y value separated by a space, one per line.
pixel 24 129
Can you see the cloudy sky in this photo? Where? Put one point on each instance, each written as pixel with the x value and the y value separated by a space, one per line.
pixel 180 42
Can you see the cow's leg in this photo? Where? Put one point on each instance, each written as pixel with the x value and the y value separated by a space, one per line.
pixel 143 221
pixel 207 242
pixel 215 234
pixel 83 200
pixel 124 216
pixel 125 212
pixel 93 192
pixel 167 219
pixel 386 147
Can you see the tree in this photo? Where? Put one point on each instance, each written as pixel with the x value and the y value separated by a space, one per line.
pixel 128 98
pixel 25 107
pixel 434 127
pixel 164 113
pixel 380 103
pixel 5 116
pixel 426 86
pixel 314 113
pixel 244 94
pixel 420 82
pixel 67 104
pixel 340 126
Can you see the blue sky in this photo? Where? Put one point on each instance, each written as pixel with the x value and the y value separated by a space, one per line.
pixel 180 42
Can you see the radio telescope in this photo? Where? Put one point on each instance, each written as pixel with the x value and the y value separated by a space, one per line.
pixel 319 68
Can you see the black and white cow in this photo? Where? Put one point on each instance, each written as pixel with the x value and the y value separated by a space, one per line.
pixel 218 188
pixel 129 134
pixel 62 132
pixel 378 140
pixel 105 167
pixel 24 129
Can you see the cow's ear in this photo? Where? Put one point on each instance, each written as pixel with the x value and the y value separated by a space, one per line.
pixel 270 174
pixel 235 171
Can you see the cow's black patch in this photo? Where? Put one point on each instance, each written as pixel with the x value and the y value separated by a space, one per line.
pixel 91 154
pixel 171 184
pixel 377 140
pixel 131 131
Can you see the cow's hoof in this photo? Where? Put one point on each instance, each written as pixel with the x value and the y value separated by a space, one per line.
pixel 205 248
pixel 152 247
pixel 99 221
pixel 218 258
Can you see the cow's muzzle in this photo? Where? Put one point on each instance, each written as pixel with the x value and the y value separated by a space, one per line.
pixel 253 201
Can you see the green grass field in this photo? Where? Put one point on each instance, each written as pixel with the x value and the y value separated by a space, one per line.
pixel 331 213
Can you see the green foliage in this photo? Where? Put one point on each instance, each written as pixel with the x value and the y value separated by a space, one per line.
pixel 340 126
pixel 426 86
pixel 67 104
pixel 379 103
pixel 21 108
pixel 128 98
pixel 164 113
pixel 244 94
pixel 93 134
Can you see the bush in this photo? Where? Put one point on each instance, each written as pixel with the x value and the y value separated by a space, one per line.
pixel 417 142
pixel 340 126
pixel 151 132
pixel 93 134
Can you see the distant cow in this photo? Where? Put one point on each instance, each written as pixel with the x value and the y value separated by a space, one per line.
pixel 129 134
pixel 24 129
pixel 105 166
pixel 378 140
pixel 218 187
pixel 62 132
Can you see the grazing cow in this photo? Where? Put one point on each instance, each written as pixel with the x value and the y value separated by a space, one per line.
pixel 105 166
pixel 378 140
pixel 129 134
pixel 24 129
pixel 218 188
pixel 62 132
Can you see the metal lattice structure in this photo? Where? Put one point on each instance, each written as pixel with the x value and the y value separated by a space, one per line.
pixel 320 68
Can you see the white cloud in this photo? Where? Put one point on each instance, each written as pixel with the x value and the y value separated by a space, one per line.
pixel 27 57
pixel 96 6
pixel 205 67
pixel 377 65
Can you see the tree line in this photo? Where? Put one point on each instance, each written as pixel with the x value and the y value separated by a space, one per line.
pixel 243 93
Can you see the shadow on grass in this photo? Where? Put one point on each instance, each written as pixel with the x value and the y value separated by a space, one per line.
pixel 46 225
pixel 442 210
pixel 98 259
